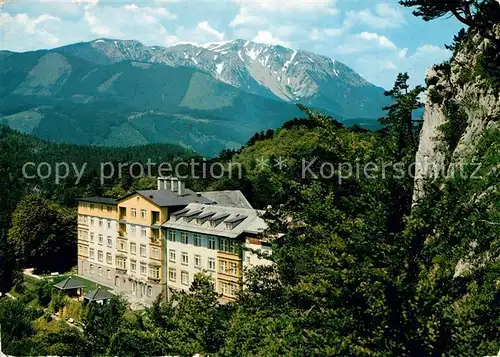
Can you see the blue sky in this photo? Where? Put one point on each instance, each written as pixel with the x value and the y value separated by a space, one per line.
pixel 378 39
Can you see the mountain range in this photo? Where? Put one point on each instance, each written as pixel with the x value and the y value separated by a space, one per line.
pixel 205 97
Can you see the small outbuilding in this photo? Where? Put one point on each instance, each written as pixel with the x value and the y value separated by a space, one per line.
pixel 73 287
pixel 99 295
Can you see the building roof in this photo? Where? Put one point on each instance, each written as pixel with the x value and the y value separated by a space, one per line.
pixel 212 219
pixel 233 198
pixel 165 198
pixel 100 200
pixel 69 283
pixel 98 294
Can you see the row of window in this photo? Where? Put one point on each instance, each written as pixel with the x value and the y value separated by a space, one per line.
pixel 146 289
pixel 225 266
pixel 100 207
pixel 154 271
pixel 95 221
pixel 172 276
pixel 199 240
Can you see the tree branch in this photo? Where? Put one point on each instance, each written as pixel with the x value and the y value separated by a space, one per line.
pixel 462 19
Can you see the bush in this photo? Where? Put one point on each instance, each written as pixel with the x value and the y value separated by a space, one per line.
pixel 455 125
pixel 44 293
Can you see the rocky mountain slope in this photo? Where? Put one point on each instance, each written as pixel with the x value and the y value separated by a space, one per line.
pixel 266 70
pixel 462 105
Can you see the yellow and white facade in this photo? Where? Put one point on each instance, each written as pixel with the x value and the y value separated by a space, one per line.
pixel 149 241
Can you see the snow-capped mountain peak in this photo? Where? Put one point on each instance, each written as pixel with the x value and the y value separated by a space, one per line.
pixel 268 70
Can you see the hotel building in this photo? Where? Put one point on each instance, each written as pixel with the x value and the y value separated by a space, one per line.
pixel 151 240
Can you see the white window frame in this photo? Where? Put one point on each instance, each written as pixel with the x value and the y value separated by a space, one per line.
pixel 197 240
pixel 197 261
pixel 184 258
pixel 144 214
pixel 142 250
pixel 211 264
pixel 184 277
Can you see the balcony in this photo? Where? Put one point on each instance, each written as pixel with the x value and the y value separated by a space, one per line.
pixel 155 240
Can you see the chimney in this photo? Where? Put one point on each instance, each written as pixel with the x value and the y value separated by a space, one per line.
pixel 175 183
pixel 159 181
pixel 164 183
pixel 182 188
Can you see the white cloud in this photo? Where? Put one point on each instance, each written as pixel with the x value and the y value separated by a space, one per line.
pixel 268 38
pixel 321 34
pixel 22 25
pixel 382 41
pixel 333 32
pixel 150 14
pixel 247 16
pixel 292 5
pixel 385 17
pixel 204 26
pixel 402 53
pixel 202 33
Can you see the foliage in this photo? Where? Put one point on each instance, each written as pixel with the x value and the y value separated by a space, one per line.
pixel 455 126
pixel 471 13
pixel 400 114
pixel 43 235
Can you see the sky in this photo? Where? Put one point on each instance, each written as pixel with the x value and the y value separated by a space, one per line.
pixel 378 39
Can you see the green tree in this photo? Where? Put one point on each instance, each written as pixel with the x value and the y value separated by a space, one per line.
pixel 43 234
pixel 469 12
pixel 101 322
pixel 400 115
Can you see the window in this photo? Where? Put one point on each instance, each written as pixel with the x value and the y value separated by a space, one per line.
pixel 133 212
pixel 172 275
pixel 121 245
pixel 184 278
pixel 154 272
pixel 233 247
pixel 134 288
pixel 132 248
pixel 99 271
pixel 133 266
pixel 197 261
pixel 110 242
pixel 197 240
pixel 101 240
pixel 155 252
pixel 117 281
pixel 211 243
pixel 233 268
pixel 109 274
pixel 233 289
pixel 133 231
pixel 91 221
pixel 228 289
pixel 109 258
pixel 184 237
pixel 222 266
pixel 150 291
pixel 223 244
pixel 100 222
pixel 143 213
pixel 171 255
pixel 121 263
pixel 109 224
pixel 91 237
pixel 91 269
pixel 143 268
pixel 101 207
pixel 109 208
pixel 143 250
pixel 185 258
pixel 211 264
pixel 171 235
pixel 144 232
pixel 92 253
pixel 92 206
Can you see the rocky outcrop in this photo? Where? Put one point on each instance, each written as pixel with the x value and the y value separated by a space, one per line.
pixel 463 101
